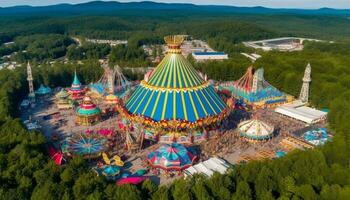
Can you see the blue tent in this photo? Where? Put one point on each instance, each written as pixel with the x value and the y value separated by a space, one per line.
pixel 175 91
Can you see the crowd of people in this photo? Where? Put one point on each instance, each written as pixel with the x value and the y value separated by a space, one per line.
pixel 284 125
pixel 222 143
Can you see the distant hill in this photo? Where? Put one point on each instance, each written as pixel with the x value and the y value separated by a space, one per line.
pixel 112 7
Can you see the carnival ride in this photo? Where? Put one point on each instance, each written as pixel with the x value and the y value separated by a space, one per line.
pixel 172 157
pixel 134 141
pixel 87 145
pixel 88 112
pixel 112 82
pixel 255 90
pixel 116 160
pixel 255 130
pixel 175 97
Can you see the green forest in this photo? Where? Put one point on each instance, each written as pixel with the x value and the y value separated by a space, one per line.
pixel 26 172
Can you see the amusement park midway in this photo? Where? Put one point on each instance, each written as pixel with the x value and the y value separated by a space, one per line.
pixel 174 123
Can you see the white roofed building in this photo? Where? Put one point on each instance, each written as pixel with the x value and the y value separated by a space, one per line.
pixel 302 113
pixel 203 56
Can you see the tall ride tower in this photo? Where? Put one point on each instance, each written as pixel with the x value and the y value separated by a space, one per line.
pixel 31 94
pixel 304 92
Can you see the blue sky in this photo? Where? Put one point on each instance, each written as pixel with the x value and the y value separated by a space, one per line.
pixel 266 3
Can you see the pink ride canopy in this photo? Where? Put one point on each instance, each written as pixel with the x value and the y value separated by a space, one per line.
pixel 172 157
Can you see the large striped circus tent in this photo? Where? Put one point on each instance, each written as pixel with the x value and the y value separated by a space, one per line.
pixel 174 95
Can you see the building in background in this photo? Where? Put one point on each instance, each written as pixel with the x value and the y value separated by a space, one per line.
pixel 203 56
pixel 280 44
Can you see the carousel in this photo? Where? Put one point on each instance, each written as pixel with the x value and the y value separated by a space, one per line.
pixel 172 157
pixel 63 100
pixel 174 97
pixel 255 130
pixel 87 145
pixel 76 90
pixel 88 112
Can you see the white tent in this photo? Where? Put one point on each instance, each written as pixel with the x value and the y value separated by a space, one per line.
pixel 302 113
pixel 208 167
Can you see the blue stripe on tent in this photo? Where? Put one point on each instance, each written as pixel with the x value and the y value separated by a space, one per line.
pixel 207 94
pixel 219 101
pixel 143 95
pixel 133 96
pixel 169 106
pixel 139 103
pixel 197 101
pixel 205 104
pixel 159 107
pixel 179 109
pixel 189 108
pixel 215 98
pixel 137 98
pixel 152 100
